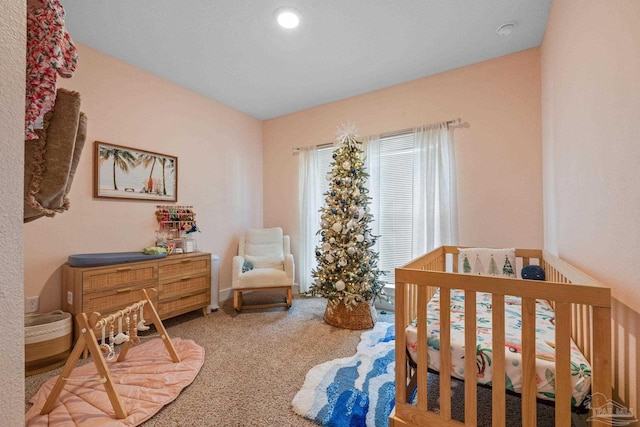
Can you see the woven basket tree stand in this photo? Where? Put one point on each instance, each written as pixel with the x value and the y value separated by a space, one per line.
pixel 361 316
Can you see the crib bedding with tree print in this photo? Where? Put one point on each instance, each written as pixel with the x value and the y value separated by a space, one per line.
pixel 545 348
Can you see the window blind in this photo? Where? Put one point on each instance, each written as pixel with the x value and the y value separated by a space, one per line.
pixel 395 221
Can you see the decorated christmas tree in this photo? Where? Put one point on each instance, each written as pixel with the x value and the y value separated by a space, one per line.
pixel 347 267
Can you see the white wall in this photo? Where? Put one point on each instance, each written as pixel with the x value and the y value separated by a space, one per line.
pixel 498 156
pixel 591 150
pixel 12 85
pixel 591 105
pixel 219 154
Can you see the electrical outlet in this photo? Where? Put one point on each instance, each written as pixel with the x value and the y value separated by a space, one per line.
pixel 69 297
pixel 31 304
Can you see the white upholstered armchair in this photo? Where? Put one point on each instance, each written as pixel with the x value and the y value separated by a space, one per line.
pixel 264 262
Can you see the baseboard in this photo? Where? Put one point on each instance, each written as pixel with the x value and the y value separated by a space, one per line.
pixel 386 305
pixel 390 292
pixel 225 294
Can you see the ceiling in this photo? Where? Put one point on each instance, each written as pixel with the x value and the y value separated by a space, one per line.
pixel 233 51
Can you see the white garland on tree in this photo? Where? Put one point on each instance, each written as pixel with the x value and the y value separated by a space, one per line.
pixel 347 267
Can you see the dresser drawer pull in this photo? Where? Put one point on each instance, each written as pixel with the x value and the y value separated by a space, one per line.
pixel 184 279
pixel 185 261
pixel 123 269
pixel 185 296
pixel 121 291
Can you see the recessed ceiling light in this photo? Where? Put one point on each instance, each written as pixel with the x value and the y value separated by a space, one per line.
pixel 287 17
pixel 505 29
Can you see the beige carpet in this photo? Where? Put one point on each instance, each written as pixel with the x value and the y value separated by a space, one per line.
pixel 255 363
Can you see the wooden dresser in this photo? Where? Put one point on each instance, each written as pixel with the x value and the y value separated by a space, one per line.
pixel 183 283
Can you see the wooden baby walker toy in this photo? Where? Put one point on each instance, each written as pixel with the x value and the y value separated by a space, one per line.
pixel 128 337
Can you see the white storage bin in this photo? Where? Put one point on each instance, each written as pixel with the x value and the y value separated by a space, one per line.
pixel 47 341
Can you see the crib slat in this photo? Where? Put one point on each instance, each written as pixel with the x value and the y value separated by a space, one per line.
pixel 470 369
pixel 401 361
pixel 601 378
pixel 421 370
pixel 577 331
pixel 498 376
pixel 401 345
pixel 580 325
pixel 563 363
pixel 528 362
pixel 410 302
pixel 445 356
pixel 588 334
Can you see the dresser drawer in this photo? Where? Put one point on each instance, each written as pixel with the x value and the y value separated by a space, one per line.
pixel 111 301
pixel 124 275
pixel 184 286
pixel 183 265
pixel 183 303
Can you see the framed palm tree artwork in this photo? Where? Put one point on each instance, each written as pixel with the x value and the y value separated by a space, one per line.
pixel 129 173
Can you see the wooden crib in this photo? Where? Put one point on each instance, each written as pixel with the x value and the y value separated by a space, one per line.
pixel 582 311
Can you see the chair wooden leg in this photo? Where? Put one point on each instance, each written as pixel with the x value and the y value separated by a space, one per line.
pixel 237 300
pixel 289 297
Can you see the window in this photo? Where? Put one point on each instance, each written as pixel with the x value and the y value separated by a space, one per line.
pixel 413 196
pixel 394 213
pixel 324 166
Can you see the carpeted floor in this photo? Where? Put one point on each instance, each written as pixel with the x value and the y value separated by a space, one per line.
pixel 257 360
pixel 255 363
pixel 513 405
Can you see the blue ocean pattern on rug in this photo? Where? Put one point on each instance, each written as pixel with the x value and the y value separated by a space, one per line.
pixel 353 391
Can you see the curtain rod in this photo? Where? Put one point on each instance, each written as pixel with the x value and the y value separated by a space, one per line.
pixel 449 123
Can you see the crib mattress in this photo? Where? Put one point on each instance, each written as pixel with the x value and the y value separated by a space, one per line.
pixel 545 348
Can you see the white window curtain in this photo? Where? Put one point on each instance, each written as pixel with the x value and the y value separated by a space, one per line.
pixel 412 186
pixel 435 211
pixel 308 189
pixel 313 165
pixel 371 148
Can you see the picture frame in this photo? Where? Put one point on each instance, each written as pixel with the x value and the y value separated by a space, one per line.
pixel 130 173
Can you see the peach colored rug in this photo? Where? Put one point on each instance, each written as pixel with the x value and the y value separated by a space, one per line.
pixel 146 381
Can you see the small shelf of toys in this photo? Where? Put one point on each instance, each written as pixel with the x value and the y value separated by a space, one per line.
pixel 176 224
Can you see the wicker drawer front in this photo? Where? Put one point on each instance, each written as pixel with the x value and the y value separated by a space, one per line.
pixel 184 286
pixel 179 267
pixel 125 275
pixel 183 304
pixel 108 302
